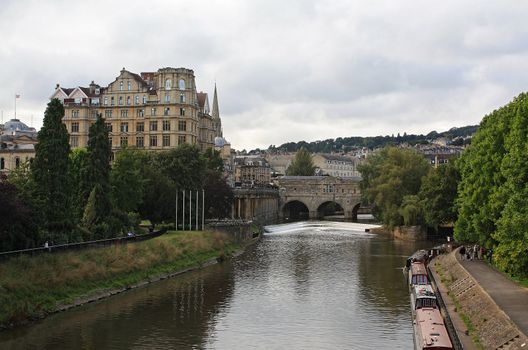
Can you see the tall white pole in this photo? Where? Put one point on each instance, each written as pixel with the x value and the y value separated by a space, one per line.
pixel 15 104
pixel 190 210
pixel 203 209
pixel 183 206
pixel 176 223
pixel 196 212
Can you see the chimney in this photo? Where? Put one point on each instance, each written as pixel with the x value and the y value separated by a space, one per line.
pixel 92 87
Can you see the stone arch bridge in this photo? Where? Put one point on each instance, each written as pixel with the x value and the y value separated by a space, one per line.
pixel 313 197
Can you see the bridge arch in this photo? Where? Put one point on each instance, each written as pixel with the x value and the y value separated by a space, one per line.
pixel 330 208
pixel 295 210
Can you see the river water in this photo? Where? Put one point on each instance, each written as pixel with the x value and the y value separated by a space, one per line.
pixel 308 285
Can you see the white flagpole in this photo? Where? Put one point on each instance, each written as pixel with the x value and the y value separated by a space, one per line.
pixel 203 209
pixel 190 210
pixel 183 206
pixel 176 223
pixel 196 213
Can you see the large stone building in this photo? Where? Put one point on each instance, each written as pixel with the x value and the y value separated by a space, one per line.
pixel 17 144
pixel 252 171
pixel 336 165
pixel 154 110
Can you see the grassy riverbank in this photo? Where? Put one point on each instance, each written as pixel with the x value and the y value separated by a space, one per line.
pixel 31 287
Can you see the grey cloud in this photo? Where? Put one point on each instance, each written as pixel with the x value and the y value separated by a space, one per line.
pixel 285 70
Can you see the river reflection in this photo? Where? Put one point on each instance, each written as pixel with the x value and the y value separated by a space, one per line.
pixel 313 285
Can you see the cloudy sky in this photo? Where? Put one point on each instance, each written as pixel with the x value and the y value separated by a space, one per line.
pixel 286 70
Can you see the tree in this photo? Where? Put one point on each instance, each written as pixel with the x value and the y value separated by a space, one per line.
pixel 302 164
pixel 492 193
pixel 387 177
pixel 213 161
pixel 411 210
pixel 50 171
pixel 184 165
pixel 438 194
pixel 18 229
pixel 78 172
pixel 128 180
pixel 218 196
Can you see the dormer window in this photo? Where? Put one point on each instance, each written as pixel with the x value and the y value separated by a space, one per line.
pixel 121 86
pixel 181 84
pixel 168 84
pixel 97 91
pixel 129 86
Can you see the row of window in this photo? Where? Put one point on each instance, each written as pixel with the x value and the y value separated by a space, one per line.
pixel 140 127
pixel 140 142
pixel 17 162
pixel 141 112
pixel 128 101
pixel 168 85
pixel 124 112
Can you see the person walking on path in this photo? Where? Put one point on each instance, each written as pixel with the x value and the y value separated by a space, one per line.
pixel 462 252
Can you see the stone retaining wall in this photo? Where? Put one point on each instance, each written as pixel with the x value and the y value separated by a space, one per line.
pixel 410 233
pixel 492 326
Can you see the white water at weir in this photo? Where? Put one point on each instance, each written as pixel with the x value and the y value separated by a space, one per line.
pixel 315 227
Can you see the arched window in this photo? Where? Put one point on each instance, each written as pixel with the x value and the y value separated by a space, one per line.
pixel 121 85
pixel 168 84
pixel 129 86
pixel 181 84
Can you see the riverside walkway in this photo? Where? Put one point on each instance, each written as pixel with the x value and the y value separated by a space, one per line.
pixel 496 306
pixel 509 296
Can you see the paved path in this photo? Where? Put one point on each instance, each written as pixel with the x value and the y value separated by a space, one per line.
pixel 508 295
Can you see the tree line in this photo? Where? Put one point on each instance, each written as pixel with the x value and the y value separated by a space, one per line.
pixel 69 195
pixel 484 192
pixel 344 144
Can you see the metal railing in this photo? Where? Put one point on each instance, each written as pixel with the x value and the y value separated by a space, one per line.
pixel 82 245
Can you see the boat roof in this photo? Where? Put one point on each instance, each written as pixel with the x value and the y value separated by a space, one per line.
pixel 418 268
pixel 432 331
pixel 424 291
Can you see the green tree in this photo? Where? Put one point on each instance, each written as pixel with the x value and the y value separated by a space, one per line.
pixel 184 165
pixel 50 171
pixel 494 186
pixel 97 173
pixel 480 201
pixel 302 164
pixel 411 211
pixel 128 179
pixel 218 196
pixel 438 194
pixel 18 229
pixel 389 176
pixel 78 169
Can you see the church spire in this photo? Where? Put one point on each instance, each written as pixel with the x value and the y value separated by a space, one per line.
pixel 216 112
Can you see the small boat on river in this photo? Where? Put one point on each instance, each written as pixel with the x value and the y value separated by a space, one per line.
pixel 430 332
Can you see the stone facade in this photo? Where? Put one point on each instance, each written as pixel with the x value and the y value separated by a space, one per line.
pixel 336 165
pixel 316 191
pixel 17 144
pixel 155 110
pixel 252 170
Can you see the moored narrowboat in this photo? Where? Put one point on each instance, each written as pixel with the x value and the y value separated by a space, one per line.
pixel 430 332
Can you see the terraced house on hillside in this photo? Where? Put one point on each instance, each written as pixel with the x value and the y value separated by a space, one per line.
pixel 152 110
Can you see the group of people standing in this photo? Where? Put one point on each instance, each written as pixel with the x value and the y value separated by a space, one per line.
pixel 474 252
